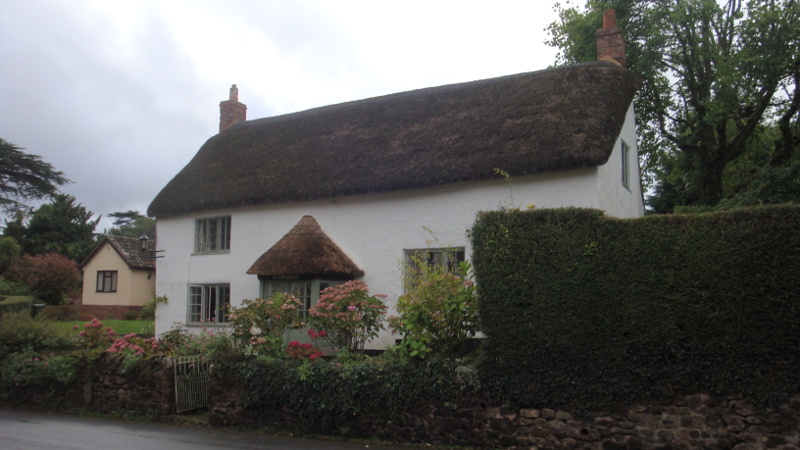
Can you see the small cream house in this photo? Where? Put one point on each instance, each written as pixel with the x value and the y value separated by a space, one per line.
pixel 117 276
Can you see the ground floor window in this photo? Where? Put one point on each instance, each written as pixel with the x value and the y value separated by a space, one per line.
pixel 209 303
pixel 107 281
pixel 307 291
pixel 441 259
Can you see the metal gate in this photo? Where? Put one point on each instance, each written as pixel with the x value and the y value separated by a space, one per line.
pixel 191 383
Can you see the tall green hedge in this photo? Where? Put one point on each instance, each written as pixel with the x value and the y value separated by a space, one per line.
pixel 588 312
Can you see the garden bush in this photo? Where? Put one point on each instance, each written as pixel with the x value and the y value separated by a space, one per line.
pixel 438 313
pixel 16 304
pixel 53 278
pixel 348 314
pixel 259 324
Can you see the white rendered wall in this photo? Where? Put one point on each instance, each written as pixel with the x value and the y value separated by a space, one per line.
pixel 615 199
pixel 373 230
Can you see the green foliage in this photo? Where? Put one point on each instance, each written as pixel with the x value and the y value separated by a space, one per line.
pixel 10 252
pixel 713 75
pixel 19 331
pixel 148 310
pixel 130 315
pixel 662 306
pixel 62 227
pixel 29 368
pixel 260 323
pixel 15 304
pixel 131 224
pixel 439 312
pixel 328 394
pixel 349 315
pixel 53 278
pixel 25 177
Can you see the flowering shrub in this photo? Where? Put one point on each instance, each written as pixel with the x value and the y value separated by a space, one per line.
pixel 93 334
pixel 133 345
pixel 28 368
pixel 296 350
pixel 260 323
pixel 348 314
pixel 439 312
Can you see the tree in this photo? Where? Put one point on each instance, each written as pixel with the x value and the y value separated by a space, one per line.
pixel 25 177
pixel 10 252
pixel 712 76
pixel 62 227
pixel 131 224
pixel 53 278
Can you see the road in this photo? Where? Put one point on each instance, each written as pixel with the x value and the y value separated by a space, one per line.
pixel 24 430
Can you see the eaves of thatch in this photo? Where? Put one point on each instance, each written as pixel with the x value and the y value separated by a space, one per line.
pixel 306 251
pixel 555 119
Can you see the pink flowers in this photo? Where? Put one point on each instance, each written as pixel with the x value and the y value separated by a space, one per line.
pixel 75 327
pixel 296 350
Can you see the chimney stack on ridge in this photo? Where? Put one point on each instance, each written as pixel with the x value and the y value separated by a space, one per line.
pixel 231 111
pixel 610 44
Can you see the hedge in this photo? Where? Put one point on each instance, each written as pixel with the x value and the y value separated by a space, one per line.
pixel 587 312
pixel 16 304
pixel 327 394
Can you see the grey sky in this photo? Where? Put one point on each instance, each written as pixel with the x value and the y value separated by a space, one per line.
pixel 119 95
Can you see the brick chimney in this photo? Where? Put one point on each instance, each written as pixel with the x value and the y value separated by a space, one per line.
pixel 610 44
pixel 231 111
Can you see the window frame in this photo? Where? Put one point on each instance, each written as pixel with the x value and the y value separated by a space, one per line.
pixel 625 150
pixel 199 304
pixel 212 235
pixel 450 266
pixel 100 284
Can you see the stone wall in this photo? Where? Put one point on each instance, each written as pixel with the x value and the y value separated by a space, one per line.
pixel 684 423
pixel 148 388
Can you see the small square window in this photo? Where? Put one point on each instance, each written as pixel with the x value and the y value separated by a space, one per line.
pixel 107 281
pixel 212 235
pixel 421 261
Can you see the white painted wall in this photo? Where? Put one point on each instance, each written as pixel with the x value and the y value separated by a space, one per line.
pixel 615 199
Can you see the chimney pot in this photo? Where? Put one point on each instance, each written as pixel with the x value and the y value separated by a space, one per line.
pixel 234 93
pixel 609 20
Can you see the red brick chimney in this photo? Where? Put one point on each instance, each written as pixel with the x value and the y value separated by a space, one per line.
pixel 231 111
pixel 610 44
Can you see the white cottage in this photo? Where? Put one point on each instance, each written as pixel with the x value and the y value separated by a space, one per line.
pixel 349 191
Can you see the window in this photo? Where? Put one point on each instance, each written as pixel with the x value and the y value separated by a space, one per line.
pixel 209 303
pixel 107 281
pixel 212 235
pixel 626 175
pixel 419 261
pixel 307 291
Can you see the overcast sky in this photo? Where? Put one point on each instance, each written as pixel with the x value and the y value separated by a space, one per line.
pixel 120 95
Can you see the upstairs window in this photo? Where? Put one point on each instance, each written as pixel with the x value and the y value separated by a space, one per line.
pixel 212 235
pixel 626 169
pixel 107 281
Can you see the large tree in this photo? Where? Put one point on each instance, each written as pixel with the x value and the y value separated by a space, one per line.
pixel 132 224
pixel 713 75
pixel 25 177
pixel 64 227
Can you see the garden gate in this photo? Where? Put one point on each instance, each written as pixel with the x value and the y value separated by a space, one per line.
pixel 191 383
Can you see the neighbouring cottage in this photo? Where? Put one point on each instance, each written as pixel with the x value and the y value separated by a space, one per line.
pixel 117 276
pixel 301 201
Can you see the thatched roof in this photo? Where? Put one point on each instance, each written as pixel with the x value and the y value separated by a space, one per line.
pixel 128 250
pixel 555 119
pixel 306 251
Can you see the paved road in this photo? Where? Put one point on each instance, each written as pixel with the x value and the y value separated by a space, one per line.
pixel 23 430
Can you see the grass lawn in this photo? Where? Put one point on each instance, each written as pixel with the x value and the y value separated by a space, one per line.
pixel 121 327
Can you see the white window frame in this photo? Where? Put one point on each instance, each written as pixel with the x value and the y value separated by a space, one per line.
pixel 208 304
pixel 106 281
pixel 212 235
pixel 626 165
